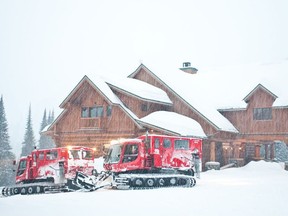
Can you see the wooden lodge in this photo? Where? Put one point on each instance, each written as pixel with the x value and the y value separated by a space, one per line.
pixel 99 111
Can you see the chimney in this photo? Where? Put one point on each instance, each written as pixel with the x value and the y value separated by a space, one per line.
pixel 188 69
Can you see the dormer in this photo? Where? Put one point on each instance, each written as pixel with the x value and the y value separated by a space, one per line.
pixel 260 97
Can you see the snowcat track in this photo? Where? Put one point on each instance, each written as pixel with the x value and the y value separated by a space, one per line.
pixel 142 181
pixel 33 189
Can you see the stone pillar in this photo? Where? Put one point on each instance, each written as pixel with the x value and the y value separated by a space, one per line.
pixel 212 151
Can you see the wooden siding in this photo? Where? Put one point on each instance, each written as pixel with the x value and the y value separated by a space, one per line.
pixel 93 132
pixel 135 105
pixel 259 129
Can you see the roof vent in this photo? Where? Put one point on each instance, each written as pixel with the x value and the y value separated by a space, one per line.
pixel 188 69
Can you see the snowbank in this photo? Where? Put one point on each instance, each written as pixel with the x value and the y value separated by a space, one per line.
pixel 258 189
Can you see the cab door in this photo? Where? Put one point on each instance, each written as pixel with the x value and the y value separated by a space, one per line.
pixel 166 151
pixel 22 170
pixel 156 152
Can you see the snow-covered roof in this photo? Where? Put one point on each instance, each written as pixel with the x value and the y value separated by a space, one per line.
pixel 223 87
pixel 174 122
pixel 139 89
pixel 191 91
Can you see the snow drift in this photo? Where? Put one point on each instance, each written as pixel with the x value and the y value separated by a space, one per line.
pixel 259 188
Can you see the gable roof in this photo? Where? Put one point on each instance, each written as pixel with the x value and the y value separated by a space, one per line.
pixel 100 86
pixel 259 86
pixel 182 85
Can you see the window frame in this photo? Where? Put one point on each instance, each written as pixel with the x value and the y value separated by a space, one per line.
pixel 264 114
pixel 92 112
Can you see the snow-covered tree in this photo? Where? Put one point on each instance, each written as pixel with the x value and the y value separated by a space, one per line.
pixel 50 117
pixel 29 139
pixel 46 141
pixel 6 156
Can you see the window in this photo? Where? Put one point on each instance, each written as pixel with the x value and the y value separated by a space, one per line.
pixel 92 112
pixel 41 156
pixel 99 111
pixel 87 154
pixel 144 107
pixel 114 154
pixel 74 154
pixel 51 155
pixel 167 143
pixel 85 112
pixel 156 143
pixel 181 144
pixel 109 110
pixel 130 153
pixel 262 113
pixel 22 167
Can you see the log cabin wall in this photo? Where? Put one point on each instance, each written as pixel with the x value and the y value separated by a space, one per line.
pixel 74 129
pixel 260 127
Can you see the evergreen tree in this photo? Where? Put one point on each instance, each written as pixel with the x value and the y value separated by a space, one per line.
pixel 50 118
pixel 46 142
pixel 6 156
pixel 29 140
pixel 44 121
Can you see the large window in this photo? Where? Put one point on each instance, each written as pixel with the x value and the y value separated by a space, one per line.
pixel 92 112
pixel 262 113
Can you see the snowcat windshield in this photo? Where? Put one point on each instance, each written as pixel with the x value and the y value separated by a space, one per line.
pixel 80 154
pixel 114 154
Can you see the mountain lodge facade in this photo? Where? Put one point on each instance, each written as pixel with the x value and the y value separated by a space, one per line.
pixel 97 112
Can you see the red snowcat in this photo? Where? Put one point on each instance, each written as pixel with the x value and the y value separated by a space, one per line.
pixel 51 170
pixel 149 161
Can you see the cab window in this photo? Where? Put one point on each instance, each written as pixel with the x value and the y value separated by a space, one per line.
pixel 156 143
pixel 167 143
pixel 130 153
pixel 87 154
pixel 114 154
pixel 181 144
pixel 41 156
pixel 51 155
pixel 22 167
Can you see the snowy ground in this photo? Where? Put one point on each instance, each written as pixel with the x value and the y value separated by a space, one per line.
pixel 260 188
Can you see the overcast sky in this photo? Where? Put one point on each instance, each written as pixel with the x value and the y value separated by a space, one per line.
pixel 46 47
